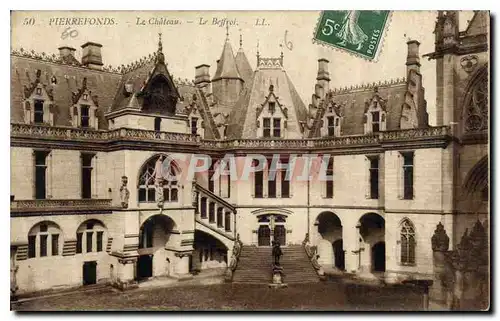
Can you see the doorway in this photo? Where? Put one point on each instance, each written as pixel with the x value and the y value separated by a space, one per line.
pixel 280 234
pixel 89 272
pixel 378 257
pixel 144 267
pixel 338 252
pixel 264 237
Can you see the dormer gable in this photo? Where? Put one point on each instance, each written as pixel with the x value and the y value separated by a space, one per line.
pixel 84 108
pixel 374 117
pixel 38 102
pixel 332 120
pixel 272 117
pixel 195 122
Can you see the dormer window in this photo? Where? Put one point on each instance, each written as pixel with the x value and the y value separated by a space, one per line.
pixel 84 116
pixel 374 117
pixel 157 124
pixel 38 117
pixel 331 126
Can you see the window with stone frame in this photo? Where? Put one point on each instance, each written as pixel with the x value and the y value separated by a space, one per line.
pixel 146 188
pixel 86 177
pixel 40 169
pixel 374 176
pixel 90 237
pixel 476 104
pixel 331 126
pixel 407 243
pixel 266 124
pixel 375 116
pixel 194 125
pixel 44 239
pixel 408 171
pixel 84 110
pixel 38 107
pixel 258 182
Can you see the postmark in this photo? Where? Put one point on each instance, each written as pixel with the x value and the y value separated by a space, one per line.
pixel 357 31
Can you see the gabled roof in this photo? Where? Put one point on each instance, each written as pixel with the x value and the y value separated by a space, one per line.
pixel 226 67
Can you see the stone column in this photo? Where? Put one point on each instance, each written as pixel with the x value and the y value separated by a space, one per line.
pixel 350 242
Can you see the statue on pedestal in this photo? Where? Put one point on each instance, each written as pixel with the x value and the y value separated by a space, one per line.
pixel 277 253
pixel 124 192
pixel 158 176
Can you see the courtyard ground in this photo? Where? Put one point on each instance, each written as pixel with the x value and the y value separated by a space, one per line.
pixel 325 296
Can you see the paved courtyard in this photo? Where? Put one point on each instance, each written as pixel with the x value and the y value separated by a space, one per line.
pixel 233 297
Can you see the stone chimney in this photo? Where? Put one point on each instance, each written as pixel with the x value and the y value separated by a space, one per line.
pixel 202 78
pixel 413 58
pixel 91 55
pixel 65 52
pixel 323 77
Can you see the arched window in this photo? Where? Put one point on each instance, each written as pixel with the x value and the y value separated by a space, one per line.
pixel 476 104
pixel 44 239
pixel 407 243
pixel 147 189
pixel 90 237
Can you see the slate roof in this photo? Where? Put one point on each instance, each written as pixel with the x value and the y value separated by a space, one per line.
pixel 226 67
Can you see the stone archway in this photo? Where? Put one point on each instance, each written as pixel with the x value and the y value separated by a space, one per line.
pixel 372 244
pixel 329 242
pixel 155 236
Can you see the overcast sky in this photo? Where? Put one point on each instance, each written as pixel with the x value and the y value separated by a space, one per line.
pixel 189 44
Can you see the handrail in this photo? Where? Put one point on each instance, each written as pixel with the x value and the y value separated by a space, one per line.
pixel 215 197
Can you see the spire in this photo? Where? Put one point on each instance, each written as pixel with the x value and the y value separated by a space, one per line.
pixel 226 68
pixel 241 41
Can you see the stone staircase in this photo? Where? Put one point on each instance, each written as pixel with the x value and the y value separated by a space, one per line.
pixel 255 265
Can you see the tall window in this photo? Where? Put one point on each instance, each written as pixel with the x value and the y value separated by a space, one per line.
pixel 43 240
pixel 331 126
pixel 276 127
pixel 259 183
pixel 329 182
pixel 267 127
pixel 375 121
pixel 408 175
pixel 194 125
pixel 374 170
pixel 38 111
pixel 40 174
pixel 285 183
pixel 407 243
pixel 85 116
pixel 146 188
pixel 157 124
pixel 86 175
pixel 90 233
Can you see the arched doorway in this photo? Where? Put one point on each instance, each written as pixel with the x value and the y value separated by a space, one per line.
pixel 209 253
pixel 330 245
pixel 271 229
pixel 154 236
pixel 378 257
pixel 372 242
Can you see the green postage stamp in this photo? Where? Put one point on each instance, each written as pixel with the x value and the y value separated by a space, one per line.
pixel 357 31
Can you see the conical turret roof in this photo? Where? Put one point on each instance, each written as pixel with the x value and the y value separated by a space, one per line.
pixel 226 68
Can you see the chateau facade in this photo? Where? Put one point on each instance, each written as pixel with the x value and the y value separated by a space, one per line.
pixel 88 142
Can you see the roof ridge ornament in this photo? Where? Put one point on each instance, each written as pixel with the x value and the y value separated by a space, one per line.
pixel 160 58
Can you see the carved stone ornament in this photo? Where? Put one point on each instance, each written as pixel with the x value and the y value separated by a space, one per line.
pixel 124 192
pixel 440 241
pixel 469 63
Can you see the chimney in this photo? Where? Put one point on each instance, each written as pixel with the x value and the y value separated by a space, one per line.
pixel 65 52
pixel 413 59
pixel 91 55
pixel 323 77
pixel 202 78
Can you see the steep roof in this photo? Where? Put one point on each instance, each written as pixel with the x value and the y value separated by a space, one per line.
pixel 69 78
pixel 243 65
pixel 226 67
pixel 478 24
pixel 242 121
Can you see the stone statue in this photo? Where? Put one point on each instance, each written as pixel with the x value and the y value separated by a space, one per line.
pixel 158 176
pixel 440 241
pixel 124 192
pixel 277 253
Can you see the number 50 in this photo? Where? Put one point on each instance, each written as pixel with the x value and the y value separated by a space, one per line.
pixel 329 27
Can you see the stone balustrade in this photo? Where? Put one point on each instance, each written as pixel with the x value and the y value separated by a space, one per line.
pixel 214 210
pixel 79 134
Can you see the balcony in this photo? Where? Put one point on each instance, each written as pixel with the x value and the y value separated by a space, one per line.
pixel 60 205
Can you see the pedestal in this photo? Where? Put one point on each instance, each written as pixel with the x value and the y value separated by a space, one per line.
pixel 125 274
pixel 182 266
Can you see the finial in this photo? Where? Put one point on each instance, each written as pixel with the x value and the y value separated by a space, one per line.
pixel 241 41
pixel 160 46
pixel 227 32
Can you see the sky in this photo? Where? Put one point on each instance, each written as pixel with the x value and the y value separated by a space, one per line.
pixel 192 38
